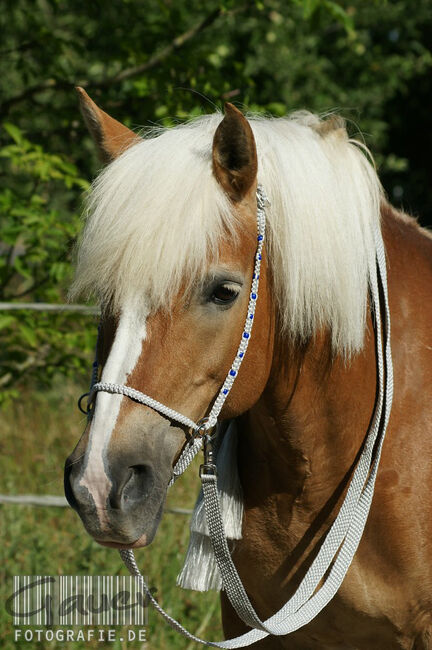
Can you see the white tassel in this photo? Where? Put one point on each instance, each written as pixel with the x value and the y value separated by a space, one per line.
pixel 200 571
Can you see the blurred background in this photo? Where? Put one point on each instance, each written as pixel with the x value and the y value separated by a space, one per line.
pixel 158 62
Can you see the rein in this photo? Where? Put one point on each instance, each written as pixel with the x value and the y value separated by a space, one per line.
pixel 327 571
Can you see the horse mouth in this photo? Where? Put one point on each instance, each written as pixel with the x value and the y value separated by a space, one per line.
pixel 123 546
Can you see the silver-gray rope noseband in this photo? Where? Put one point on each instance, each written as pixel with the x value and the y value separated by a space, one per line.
pixel 331 564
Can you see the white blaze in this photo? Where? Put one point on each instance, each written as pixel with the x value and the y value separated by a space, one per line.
pixel 123 357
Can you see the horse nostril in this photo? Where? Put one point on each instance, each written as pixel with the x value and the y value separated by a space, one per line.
pixel 140 483
pixel 69 493
pixel 136 486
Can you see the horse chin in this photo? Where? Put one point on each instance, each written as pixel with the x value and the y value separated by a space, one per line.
pixel 115 530
pixel 139 543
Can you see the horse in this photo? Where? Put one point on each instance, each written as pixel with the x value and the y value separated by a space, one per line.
pixel 168 249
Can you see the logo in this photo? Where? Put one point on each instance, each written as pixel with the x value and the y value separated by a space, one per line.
pixel 78 600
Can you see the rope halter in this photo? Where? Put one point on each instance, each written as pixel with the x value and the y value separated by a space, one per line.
pixel 201 428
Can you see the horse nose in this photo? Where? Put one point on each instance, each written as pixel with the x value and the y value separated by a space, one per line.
pixel 69 493
pixel 76 495
pixel 132 487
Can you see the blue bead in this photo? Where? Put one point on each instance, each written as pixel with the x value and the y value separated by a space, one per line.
pixel 260 237
pixel 253 296
pixel 225 391
pixel 260 256
pixel 233 373
pixel 245 335
pixel 254 276
pixel 241 355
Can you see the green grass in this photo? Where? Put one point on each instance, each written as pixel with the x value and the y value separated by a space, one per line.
pixel 36 435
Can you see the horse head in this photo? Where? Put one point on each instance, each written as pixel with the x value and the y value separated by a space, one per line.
pixel 173 332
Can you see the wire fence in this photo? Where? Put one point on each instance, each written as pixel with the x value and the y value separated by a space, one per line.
pixel 46 306
pixel 49 500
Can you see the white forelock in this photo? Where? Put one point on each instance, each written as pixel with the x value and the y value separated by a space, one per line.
pixel 156 215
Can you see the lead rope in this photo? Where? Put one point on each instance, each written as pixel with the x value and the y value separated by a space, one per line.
pixel 344 535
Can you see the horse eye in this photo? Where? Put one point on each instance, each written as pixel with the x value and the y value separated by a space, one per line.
pixel 224 294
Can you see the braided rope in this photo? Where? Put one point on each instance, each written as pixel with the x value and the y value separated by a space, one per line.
pixel 142 398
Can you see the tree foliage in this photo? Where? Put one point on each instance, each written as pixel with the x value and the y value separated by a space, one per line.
pixel 160 61
pixel 39 224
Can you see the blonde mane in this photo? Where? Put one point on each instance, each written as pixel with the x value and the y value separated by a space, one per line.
pixel 156 214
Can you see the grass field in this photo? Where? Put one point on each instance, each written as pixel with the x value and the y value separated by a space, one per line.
pixel 36 435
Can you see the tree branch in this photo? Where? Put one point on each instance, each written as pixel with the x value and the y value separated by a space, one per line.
pixel 21 48
pixel 9 272
pixel 128 73
pixel 33 90
pixel 176 44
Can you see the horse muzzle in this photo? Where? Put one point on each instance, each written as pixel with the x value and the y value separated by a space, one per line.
pixel 123 506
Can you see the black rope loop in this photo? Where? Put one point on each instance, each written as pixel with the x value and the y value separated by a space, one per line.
pixel 89 409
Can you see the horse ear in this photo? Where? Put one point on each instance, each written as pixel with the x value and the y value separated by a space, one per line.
pixel 111 137
pixel 234 154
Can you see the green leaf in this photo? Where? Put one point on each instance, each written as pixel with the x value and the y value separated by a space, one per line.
pixel 28 334
pixel 6 321
pixel 22 269
pixel 14 132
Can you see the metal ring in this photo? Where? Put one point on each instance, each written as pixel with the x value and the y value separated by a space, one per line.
pixel 88 409
pixel 200 431
pixel 201 423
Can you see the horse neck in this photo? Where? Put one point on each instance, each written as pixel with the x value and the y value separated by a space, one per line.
pixel 302 436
